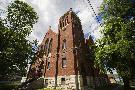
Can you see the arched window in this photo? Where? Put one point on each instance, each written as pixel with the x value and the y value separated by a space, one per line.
pixel 50 46
pixel 64 44
pixel 46 46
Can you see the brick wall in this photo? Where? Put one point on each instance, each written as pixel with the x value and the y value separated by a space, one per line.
pixel 68 44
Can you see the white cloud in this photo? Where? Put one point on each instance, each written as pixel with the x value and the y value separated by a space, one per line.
pixel 49 12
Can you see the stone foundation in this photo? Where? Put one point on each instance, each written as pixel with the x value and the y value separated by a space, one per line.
pixel 63 82
pixel 72 82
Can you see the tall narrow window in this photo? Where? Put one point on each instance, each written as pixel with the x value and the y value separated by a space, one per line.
pixel 60 25
pixel 64 44
pixel 65 22
pixel 46 46
pixel 50 46
pixel 48 65
pixel 67 19
pixel 64 62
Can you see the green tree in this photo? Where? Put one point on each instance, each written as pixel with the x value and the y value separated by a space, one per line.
pixel 15 49
pixel 116 48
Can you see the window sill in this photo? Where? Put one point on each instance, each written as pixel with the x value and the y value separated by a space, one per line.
pixel 64 67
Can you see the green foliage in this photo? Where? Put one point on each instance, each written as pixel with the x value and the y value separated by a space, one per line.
pixel 21 17
pixel 15 49
pixel 116 48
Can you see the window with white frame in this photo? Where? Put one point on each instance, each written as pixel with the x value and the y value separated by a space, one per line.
pixel 64 62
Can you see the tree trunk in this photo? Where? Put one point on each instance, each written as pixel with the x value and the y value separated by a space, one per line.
pixel 126 83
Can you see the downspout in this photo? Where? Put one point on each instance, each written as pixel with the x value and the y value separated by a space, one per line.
pixel 57 55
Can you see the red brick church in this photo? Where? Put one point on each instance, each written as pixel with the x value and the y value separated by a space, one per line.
pixel 66 57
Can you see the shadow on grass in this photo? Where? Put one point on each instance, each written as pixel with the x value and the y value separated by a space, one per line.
pixel 8 87
pixel 110 87
pixel 49 89
pixel 113 87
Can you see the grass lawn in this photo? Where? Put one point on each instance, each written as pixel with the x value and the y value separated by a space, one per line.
pixel 110 87
pixel 113 87
pixel 49 89
pixel 8 87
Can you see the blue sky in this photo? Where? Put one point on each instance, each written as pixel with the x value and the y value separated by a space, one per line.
pixel 49 12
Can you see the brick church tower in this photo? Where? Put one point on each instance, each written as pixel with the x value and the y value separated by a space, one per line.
pixel 71 50
pixel 64 62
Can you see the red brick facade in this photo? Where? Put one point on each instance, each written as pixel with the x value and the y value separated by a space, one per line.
pixel 65 53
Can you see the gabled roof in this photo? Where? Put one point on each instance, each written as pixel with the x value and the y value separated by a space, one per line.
pixel 50 31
